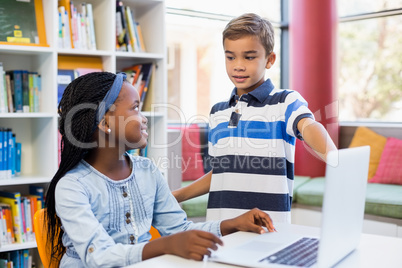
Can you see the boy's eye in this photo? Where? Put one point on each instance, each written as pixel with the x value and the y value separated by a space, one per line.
pixel 250 58
pixel 230 58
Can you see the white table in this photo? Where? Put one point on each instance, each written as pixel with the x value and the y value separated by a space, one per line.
pixel 373 251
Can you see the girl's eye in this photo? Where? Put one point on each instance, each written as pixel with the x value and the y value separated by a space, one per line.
pixel 136 107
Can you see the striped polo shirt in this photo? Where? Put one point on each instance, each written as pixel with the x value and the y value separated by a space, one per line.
pixel 253 157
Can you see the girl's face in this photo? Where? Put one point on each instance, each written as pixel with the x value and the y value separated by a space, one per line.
pixel 126 121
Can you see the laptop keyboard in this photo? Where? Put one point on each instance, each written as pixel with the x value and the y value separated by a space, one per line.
pixel 301 253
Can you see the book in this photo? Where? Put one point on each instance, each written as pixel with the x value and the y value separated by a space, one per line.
pixel 5 153
pixel 134 70
pixel 18 159
pixel 2 164
pixel 26 204
pixel 10 149
pixel 16 81
pixel 64 77
pixel 6 224
pixel 68 5
pixel 14 200
pixel 147 70
pixel 22 22
pixel 141 38
pixel 123 36
pixel 131 29
pixel 3 91
pixel 39 192
pixel 25 91
pixel 91 30
pixel 10 101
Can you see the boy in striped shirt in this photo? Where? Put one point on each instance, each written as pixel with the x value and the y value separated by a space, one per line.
pixel 252 135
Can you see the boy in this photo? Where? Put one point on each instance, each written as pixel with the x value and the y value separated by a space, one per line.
pixel 252 136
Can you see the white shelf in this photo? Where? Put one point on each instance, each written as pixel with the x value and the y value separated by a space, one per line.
pixel 27 115
pixel 38 131
pixel 18 246
pixel 25 180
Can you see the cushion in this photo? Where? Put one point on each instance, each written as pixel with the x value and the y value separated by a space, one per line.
pixel 365 136
pixel 384 200
pixel 311 192
pixel 297 182
pixel 192 165
pixel 195 207
pixel 389 169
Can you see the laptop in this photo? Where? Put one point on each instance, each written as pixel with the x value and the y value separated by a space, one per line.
pixel 341 226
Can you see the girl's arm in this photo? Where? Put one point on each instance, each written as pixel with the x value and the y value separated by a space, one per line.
pixel 316 136
pixel 197 188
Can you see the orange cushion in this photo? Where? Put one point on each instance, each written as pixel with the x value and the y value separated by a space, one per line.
pixel 365 136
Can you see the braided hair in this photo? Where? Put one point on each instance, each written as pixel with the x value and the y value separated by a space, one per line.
pixel 77 117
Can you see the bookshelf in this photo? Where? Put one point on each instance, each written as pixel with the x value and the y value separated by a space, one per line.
pixel 38 131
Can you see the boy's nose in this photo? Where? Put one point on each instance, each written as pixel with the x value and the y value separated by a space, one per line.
pixel 239 67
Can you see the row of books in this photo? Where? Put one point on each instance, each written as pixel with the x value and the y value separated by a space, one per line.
pixel 20 91
pixel 17 213
pixel 76 26
pixel 65 76
pixel 140 76
pixel 16 259
pixel 10 154
pixel 128 31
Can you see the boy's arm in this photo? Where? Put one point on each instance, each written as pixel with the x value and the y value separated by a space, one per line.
pixel 197 188
pixel 316 136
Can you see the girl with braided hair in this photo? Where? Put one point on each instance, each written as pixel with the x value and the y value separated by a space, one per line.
pixel 102 202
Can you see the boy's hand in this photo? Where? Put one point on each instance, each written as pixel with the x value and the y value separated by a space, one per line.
pixel 251 221
pixel 193 244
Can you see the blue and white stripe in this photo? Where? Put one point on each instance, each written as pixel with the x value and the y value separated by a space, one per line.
pixel 253 163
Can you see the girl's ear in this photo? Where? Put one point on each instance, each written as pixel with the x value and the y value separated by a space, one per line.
pixel 103 125
pixel 271 60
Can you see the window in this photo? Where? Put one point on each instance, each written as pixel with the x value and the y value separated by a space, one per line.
pixel 197 76
pixel 370 69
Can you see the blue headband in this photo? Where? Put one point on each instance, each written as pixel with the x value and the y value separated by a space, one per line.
pixel 110 97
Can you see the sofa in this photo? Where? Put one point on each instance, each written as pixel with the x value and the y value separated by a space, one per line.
pixel 383 209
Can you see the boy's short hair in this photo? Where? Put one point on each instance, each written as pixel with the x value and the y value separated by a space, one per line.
pixel 251 24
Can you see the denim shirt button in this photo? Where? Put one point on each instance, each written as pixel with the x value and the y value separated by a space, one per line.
pixel 91 249
pixel 132 239
pixel 128 214
pixel 128 221
pixel 124 194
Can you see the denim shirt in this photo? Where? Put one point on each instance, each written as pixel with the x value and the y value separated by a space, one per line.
pixel 106 223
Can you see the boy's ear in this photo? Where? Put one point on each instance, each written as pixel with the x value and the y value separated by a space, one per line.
pixel 271 60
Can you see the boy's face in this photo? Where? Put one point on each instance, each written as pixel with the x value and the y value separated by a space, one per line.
pixel 246 62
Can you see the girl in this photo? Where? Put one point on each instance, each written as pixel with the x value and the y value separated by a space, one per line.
pixel 102 202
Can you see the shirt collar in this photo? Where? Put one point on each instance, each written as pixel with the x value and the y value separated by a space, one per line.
pixel 260 93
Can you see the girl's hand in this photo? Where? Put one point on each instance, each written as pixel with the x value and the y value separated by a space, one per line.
pixel 251 221
pixel 192 244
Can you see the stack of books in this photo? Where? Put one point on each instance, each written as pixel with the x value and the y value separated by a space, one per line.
pixel 76 26
pixel 17 213
pixel 128 30
pixel 10 155
pixel 139 76
pixel 20 91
